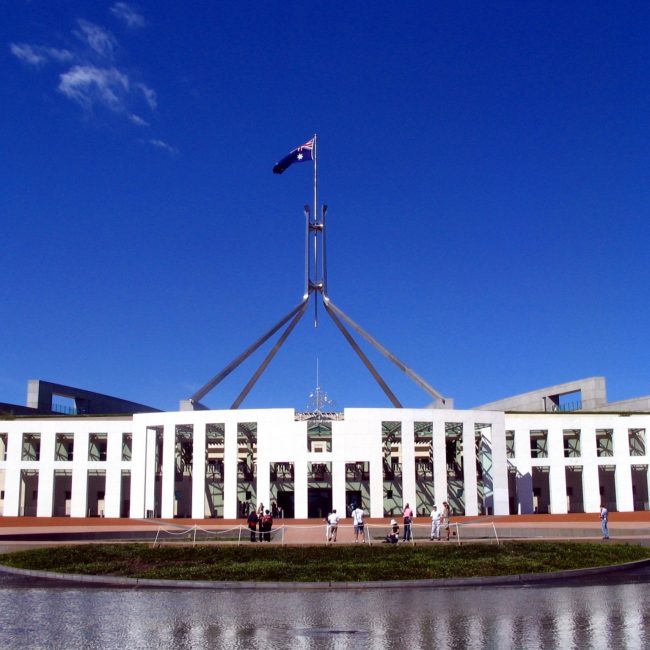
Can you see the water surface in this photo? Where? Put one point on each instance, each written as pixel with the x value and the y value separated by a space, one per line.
pixel 610 615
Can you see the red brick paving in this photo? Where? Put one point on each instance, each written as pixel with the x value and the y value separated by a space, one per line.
pixel 301 531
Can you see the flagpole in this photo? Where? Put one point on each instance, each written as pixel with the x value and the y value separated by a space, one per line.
pixel 315 179
pixel 315 222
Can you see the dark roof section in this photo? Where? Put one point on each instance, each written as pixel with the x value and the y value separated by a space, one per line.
pixel 40 401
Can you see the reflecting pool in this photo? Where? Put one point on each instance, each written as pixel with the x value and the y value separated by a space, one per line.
pixel 611 615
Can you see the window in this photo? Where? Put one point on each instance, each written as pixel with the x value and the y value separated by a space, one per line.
pixel 636 439
pixel 510 444
pixel 391 442
pixel 358 471
pixel 539 444
pixel 127 445
pixel 64 446
pixel 319 436
pixel 214 447
pixel 454 450
pixel 31 446
pixel 97 447
pixel 423 450
pixel 571 443
pixel 604 442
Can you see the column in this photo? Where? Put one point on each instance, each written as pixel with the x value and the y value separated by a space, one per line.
pixel 230 458
pixel 300 486
pixel 557 472
pixel 46 476
pixel 113 486
pixel 338 487
pixel 590 484
pixel 376 467
pixel 263 469
pixel 523 464
pixel 408 464
pixel 198 470
pixel 470 487
pixel 79 496
pixel 499 467
pixel 623 477
pixel 168 471
pixel 149 496
pixel 139 468
pixel 12 473
pixel 439 443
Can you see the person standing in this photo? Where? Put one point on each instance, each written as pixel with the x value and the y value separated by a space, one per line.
pixel 332 526
pixel 252 524
pixel 408 519
pixel 604 515
pixel 357 520
pixel 446 512
pixel 260 525
pixel 435 523
pixel 266 524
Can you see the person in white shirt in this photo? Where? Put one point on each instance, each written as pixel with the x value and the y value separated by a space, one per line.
pixel 436 517
pixel 604 515
pixel 357 520
pixel 332 526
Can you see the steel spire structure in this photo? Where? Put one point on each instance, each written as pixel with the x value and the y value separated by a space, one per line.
pixel 315 284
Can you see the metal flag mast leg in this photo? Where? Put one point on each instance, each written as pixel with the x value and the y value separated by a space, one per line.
pixel 315 282
pixel 317 226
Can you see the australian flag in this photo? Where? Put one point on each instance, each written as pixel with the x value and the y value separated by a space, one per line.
pixel 303 153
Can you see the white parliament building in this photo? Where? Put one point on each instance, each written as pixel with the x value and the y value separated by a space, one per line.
pixel 555 450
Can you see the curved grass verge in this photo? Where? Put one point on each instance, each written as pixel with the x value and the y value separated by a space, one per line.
pixel 323 564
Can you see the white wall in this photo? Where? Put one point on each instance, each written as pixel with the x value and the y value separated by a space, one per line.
pixel 280 438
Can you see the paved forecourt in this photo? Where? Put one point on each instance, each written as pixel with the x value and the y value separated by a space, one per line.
pixel 14 531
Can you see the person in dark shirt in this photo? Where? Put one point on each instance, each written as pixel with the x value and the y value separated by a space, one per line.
pixel 252 524
pixel 266 524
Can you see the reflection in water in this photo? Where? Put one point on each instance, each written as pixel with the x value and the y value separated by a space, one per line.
pixel 592 616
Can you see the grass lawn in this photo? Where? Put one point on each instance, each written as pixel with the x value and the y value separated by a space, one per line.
pixel 323 563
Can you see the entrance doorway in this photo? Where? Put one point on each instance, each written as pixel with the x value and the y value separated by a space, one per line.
pixel 541 490
pixel 640 486
pixel 574 498
pixel 319 502
pixel 285 502
pixel 95 493
pixel 352 500
pixel 62 493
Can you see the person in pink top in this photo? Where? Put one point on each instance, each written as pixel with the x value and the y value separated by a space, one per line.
pixel 408 519
pixel 446 511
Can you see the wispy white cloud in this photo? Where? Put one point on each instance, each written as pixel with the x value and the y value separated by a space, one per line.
pixel 89 85
pixel 38 55
pixel 90 76
pixel 27 54
pixel 137 120
pixel 97 38
pixel 61 56
pixel 128 15
pixel 161 144
pixel 149 95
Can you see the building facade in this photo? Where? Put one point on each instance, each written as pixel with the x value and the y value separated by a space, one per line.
pixel 221 463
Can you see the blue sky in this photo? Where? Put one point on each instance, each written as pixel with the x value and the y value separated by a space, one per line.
pixel 485 166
